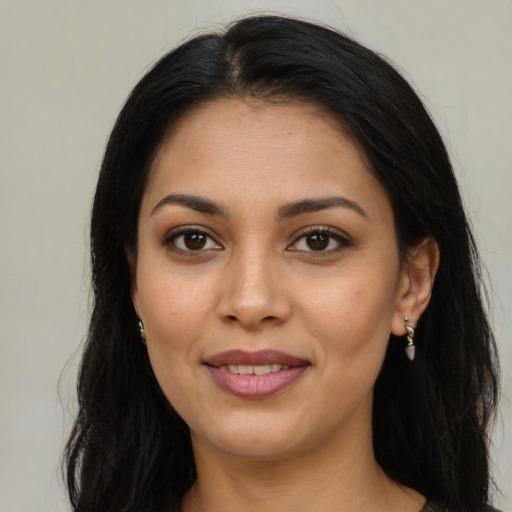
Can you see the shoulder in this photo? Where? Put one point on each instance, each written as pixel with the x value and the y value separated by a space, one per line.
pixel 432 506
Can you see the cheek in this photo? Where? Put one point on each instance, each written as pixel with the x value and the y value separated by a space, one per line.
pixel 172 315
pixel 351 318
pixel 173 307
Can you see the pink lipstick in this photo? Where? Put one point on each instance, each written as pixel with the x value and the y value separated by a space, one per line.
pixel 255 374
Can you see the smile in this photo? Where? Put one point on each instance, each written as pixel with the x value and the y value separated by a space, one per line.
pixel 243 369
pixel 253 375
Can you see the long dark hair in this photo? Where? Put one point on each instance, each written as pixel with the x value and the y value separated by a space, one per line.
pixel 129 450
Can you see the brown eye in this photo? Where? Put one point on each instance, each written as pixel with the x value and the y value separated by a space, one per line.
pixel 191 241
pixel 317 242
pixel 194 241
pixel 321 241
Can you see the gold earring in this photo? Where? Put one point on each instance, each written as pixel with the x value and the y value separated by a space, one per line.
pixel 410 349
pixel 142 332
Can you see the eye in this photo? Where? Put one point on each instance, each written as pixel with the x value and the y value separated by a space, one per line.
pixel 320 240
pixel 187 240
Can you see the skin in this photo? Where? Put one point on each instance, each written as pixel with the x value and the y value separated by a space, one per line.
pixel 260 279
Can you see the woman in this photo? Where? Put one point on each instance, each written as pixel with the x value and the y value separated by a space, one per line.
pixel 287 308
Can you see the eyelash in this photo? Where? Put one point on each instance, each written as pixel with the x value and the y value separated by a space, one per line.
pixel 342 242
pixel 170 241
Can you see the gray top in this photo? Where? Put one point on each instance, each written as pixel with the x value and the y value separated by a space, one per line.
pixel 439 507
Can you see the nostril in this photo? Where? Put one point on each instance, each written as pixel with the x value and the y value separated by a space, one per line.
pixel 253 306
pixel 251 323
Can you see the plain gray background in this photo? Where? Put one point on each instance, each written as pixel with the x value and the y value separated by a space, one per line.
pixel 66 67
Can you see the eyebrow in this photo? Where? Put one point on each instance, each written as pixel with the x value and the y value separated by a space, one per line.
pixel 286 211
pixel 197 203
pixel 317 204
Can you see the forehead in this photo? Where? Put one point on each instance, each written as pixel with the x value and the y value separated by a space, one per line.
pixel 252 147
pixel 272 122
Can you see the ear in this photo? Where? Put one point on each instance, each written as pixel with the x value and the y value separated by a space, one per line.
pixel 132 264
pixel 416 283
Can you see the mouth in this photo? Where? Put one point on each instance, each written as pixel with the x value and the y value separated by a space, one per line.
pixel 255 374
pixel 260 358
pixel 248 369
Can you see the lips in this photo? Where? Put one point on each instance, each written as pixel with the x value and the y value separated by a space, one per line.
pixel 259 358
pixel 255 374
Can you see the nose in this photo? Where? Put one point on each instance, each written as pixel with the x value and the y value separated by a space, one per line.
pixel 254 291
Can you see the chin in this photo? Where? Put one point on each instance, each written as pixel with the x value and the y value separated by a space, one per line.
pixel 263 439
pixel 257 448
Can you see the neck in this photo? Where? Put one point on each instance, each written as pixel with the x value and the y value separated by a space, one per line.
pixel 320 479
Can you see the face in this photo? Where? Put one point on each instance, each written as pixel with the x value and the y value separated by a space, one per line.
pixel 267 277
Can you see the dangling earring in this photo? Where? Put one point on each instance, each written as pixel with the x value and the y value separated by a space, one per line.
pixel 410 349
pixel 142 332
